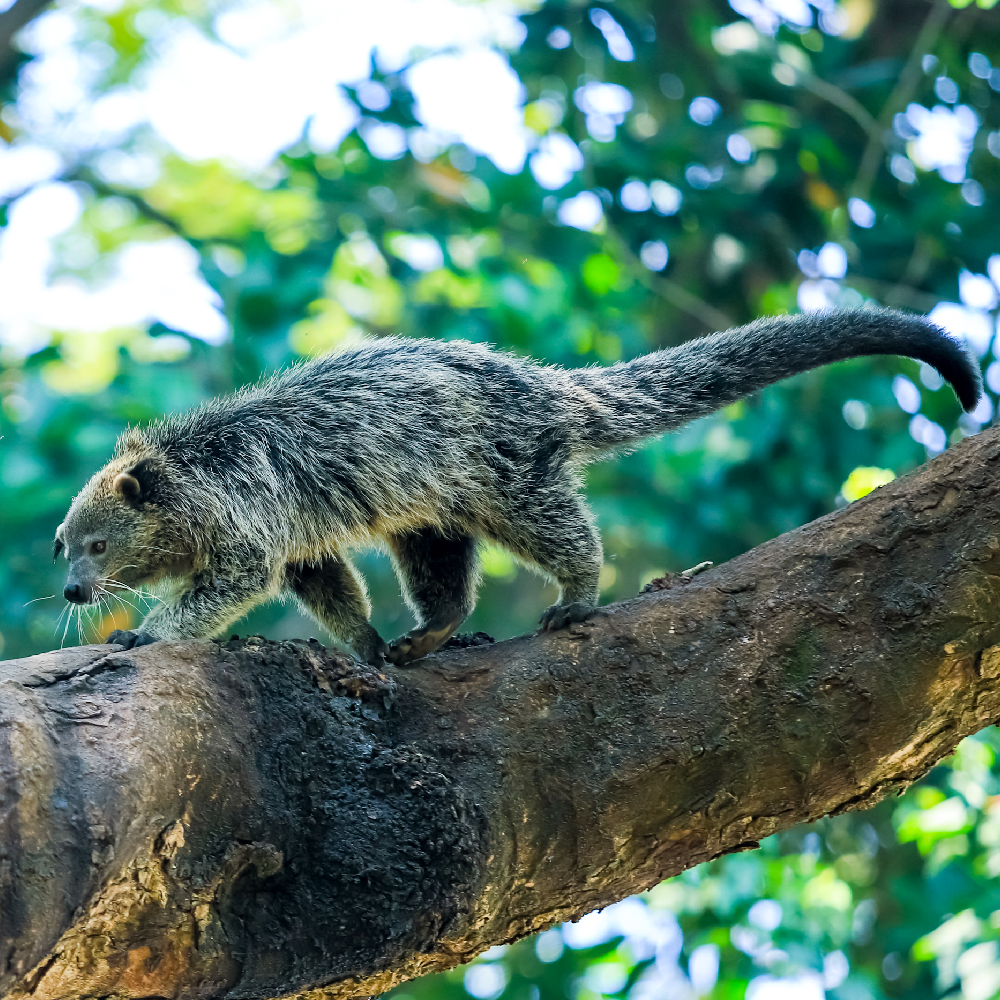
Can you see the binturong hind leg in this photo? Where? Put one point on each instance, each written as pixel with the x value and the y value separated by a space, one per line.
pixel 332 591
pixel 556 532
pixel 439 577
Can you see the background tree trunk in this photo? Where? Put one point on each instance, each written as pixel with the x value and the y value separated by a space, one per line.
pixel 259 819
pixel 12 20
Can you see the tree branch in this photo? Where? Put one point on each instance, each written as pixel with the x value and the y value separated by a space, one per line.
pixel 143 207
pixel 12 20
pixel 841 99
pixel 906 85
pixel 895 294
pixel 676 294
pixel 265 819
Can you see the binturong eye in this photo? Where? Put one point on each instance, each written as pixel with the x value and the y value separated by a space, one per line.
pixel 98 548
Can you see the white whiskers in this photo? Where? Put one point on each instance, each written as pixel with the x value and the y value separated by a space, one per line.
pixel 49 598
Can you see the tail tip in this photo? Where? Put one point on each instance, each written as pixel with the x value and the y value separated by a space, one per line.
pixel 967 381
pixel 951 356
pixel 970 393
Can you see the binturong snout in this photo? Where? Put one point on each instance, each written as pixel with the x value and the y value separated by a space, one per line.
pixel 76 593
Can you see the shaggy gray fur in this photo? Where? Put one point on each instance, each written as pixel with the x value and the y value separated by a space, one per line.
pixel 426 447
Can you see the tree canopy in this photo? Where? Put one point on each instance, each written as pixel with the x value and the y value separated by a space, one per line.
pixel 195 193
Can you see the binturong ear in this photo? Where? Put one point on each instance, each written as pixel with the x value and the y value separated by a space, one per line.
pixel 128 488
pixel 142 484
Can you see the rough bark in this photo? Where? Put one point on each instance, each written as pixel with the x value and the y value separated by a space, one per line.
pixel 255 819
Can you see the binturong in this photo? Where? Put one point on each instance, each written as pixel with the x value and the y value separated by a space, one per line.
pixel 428 449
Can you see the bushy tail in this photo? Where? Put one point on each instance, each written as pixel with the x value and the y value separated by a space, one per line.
pixel 660 391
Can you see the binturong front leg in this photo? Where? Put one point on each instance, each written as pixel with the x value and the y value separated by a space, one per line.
pixel 332 591
pixel 205 609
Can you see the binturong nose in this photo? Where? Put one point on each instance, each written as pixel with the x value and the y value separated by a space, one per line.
pixel 74 593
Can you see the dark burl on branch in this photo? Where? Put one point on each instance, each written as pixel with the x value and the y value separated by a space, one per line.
pixel 257 819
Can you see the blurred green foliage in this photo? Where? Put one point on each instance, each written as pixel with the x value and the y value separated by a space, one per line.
pixel 326 246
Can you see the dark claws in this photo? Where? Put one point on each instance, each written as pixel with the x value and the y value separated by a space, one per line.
pixel 129 639
pixel 369 648
pixel 122 637
pixel 377 658
pixel 419 642
pixel 561 615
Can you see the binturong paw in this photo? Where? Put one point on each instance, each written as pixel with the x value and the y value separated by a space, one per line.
pixel 128 639
pixel 370 648
pixel 420 642
pixel 376 657
pixel 561 615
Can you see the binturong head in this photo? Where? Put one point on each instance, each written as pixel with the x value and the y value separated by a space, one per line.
pixel 113 535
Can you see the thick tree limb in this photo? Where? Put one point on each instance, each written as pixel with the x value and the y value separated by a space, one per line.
pixel 261 819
